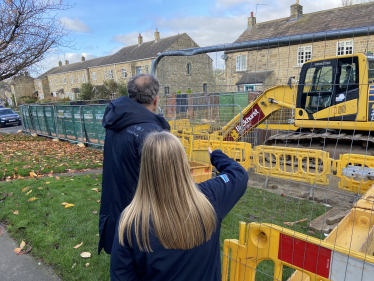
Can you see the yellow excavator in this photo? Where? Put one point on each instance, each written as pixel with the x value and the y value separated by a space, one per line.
pixel 333 101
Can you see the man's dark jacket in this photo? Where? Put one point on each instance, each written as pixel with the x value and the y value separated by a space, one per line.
pixel 127 124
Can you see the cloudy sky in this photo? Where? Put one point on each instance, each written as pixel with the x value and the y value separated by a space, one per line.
pixel 99 28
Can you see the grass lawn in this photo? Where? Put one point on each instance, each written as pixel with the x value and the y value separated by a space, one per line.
pixel 53 231
pixel 21 154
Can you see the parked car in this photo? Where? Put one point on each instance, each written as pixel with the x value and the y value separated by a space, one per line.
pixel 2 106
pixel 9 117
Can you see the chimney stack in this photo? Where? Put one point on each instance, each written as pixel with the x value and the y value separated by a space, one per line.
pixel 296 10
pixel 83 58
pixel 140 39
pixel 66 62
pixel 157 35
pixel 251 20
pixel 60 63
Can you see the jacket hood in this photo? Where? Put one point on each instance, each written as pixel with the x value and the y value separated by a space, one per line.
pixel 124 112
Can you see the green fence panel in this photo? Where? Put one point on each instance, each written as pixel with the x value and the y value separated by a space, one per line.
pixel 99 114
pixel 89 124
pixel 49 113
pixel 69 123
pixel 77 121
pixel 29 120
pixel 59 115
pixel 240 99
pixel 226 113
pixel 41 120
pixel 24 111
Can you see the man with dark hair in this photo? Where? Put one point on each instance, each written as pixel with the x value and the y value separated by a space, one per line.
pixel 127 120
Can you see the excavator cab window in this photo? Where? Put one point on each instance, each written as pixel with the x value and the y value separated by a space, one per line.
pixel 318 88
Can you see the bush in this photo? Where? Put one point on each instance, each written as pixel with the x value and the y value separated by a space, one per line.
pixel 86 91
pixel 122 90
pixel 189 91
pixel 179 92
pixel 6 104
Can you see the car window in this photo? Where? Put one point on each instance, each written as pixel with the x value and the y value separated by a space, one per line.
pixel 6 111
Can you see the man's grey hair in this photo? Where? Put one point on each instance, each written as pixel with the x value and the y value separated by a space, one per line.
pixel 143 88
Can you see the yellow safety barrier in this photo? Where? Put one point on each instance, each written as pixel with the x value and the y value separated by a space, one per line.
pixel 293 163
pixel 350 183
pixel 314 258
pixel 185 124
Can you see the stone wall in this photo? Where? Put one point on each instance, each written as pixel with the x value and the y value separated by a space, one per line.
pixel 22 85
pixel 56 82
pixel 42 86
pixel 283 60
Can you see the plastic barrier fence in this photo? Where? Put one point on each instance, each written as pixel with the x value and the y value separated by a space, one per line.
pixel 313 258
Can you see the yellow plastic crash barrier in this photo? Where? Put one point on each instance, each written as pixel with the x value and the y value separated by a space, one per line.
pixel 314 258
pixel 293 163
pixel 350 183
pixel 185 124
pixel 200 171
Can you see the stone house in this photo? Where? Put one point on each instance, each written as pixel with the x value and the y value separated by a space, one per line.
pixel 42 88
pixel 258 68
pixel 174 73
pixel 19 86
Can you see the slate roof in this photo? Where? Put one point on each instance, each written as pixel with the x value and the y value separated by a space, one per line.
pixel 130 53
pixel 254 77
pixel 46 73
pixel 360 15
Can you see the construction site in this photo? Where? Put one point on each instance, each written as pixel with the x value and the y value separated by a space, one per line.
pixel 304 137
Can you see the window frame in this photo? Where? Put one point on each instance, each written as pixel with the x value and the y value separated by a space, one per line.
pixel 345 47
pixel 83 79
pixel 166 90
pixel 136 70
pixel 110 74
pixel 146 69
pixel 239 59
pixel 205 88
pixel 123 73
pixel 65 82
pixel 188 68
pixel 304 57
pixel 56 81
pixel 94 75
pixel 78 79
pixel 71 79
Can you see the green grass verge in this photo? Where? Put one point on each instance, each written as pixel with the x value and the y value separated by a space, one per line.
pixel 21 154
pixel 53 231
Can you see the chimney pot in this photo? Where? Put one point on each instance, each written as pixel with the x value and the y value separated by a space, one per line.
pixel 66 62
pixel 296 10
pixel 157 35
pixel 140 39
pixel 60 63
pixel 251 21
pixel 83 58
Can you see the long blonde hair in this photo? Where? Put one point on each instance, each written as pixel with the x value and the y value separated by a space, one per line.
pixel 182 217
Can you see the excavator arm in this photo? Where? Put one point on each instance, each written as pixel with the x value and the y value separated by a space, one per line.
pixel 268 102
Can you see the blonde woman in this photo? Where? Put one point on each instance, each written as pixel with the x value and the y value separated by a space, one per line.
pixel 170 230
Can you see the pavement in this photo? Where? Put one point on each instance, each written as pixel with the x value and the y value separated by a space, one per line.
pixel 21 268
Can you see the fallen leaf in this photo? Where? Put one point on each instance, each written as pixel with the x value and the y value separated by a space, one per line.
pixel 74 265
pixel 47 231
pixel 94 212
pixel 64 203
pixel 32 174
pixel 15 212
pixel 69 205
pixel 32 199
pixel 87 264
pixel 40 187
pixel 25 252
pixel 10 194
pixel 28 192
pixel 47 182
pixel 265 199
pixel 311 232
pixel 22 245
pixel 71 179
pixel 15 204
pixel 85 255
pixel 57 178
pixel 98 201
pixel 25 188
pixel 17 250
pixel 95 189
pixel 77 246
pixel 48 194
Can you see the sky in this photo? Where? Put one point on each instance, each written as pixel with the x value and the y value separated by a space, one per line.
pixel 99 28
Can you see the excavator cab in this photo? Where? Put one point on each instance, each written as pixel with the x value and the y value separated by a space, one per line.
pixel 325 84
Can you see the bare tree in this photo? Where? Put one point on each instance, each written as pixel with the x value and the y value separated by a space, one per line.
pixel 29 30
pixel 348 2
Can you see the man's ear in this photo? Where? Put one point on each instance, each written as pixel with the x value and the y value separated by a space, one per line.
pixel 155 101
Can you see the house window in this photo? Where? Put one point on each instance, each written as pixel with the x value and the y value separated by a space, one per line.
pixel 110 74
pixel 64 80
pixel 166 90
pixel 83 79
pixel 71 79
pixel 123 73
pixel 40 84
pixel 205 88
pixel 93 75
pixel 104 74
pixel 146 69
pixel 188 68
pixel 138 70
pixel 345 48
pixel 56 81
pixel 241 63
pixel 78 78
pixel 50 83
pixel 304 54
